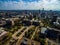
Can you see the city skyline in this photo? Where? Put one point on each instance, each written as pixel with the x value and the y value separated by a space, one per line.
pixel 29 4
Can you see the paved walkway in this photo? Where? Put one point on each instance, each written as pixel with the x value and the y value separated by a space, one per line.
pixel 14 35
pixel 21 36
pixel 34 33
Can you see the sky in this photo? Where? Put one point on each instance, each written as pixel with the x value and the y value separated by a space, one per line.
pixel 29 4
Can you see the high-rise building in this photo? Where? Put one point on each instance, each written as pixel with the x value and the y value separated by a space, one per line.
pixel 54 18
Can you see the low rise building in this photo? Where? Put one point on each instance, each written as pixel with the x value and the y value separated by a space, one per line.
pixel 12 20
pixel 26 41
pixel 3 34
pixel 2 22
pixel 52 34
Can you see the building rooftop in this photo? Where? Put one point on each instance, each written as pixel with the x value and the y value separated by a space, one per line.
pixel 2 33
pixel 43 29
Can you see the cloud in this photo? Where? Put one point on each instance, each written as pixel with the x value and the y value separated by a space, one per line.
pixel 30 0
pixel 28 5
pixel 8 0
